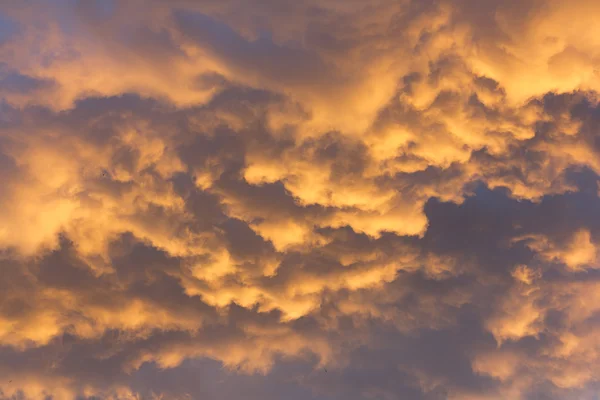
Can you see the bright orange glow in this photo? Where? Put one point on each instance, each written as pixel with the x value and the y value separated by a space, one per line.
pixel 299 199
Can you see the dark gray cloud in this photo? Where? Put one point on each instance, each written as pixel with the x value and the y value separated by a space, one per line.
pixel 299 200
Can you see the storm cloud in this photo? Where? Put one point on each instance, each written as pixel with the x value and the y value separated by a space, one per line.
pixel 299 199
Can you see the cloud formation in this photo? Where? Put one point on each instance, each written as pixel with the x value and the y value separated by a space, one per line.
pixel 299 199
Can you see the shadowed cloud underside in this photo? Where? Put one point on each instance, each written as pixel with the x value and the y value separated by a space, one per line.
pixel 300 199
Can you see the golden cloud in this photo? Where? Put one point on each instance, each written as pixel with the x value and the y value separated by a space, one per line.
pixel 299 185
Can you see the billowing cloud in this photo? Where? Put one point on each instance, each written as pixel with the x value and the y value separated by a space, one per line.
pixel 299 199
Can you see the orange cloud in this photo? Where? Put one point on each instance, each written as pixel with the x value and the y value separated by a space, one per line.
pixel 295 186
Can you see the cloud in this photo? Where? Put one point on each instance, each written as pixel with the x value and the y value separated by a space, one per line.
pixel 299 199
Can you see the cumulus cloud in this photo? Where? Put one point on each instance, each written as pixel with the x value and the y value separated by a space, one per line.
pixel 299 199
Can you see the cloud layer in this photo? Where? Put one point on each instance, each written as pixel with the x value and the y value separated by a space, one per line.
pixel 299 199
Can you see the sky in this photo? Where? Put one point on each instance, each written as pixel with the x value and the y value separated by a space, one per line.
pixel 300 200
